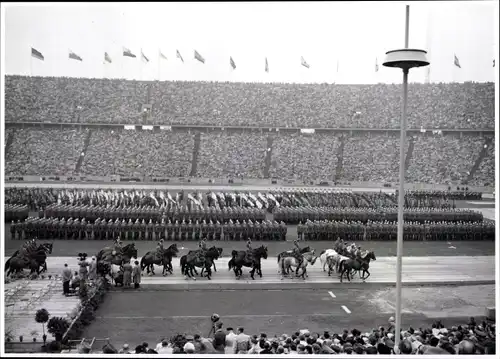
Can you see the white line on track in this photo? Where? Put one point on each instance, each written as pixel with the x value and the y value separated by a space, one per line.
pixel 346 309
pixel 331 294
pixel 327 315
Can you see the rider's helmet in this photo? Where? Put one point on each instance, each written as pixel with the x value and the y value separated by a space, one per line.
pixel 215 317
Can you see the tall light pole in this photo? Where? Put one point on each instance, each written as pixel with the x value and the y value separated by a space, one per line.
pixel 404 59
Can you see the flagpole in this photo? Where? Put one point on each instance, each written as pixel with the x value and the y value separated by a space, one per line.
pixel 159 73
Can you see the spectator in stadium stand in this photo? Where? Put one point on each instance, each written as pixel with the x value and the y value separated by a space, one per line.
pixel 125 349
pixel 219 341
pixel 211 103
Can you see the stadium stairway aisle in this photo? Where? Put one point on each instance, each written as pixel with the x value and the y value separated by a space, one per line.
pixel 196 151
pixel 482 155
pixel 269 155
pixel 409 153
pixel 9 141
pixel 86 144
pixel 340 159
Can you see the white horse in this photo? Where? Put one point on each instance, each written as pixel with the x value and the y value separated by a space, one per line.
pixel 287 263
pixel 324 256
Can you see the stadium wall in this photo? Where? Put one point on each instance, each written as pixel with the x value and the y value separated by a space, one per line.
pixel 74 181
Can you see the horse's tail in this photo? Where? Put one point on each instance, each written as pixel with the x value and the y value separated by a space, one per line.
pixel 341 265
pixel 322 252
pixel 142 263
pixel 7 264
pixel 279 258
pixel 230 264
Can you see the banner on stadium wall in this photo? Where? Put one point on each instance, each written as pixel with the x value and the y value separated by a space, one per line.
pixel 129 127
pixel 166 128
pixel 308 131
pixel 149 128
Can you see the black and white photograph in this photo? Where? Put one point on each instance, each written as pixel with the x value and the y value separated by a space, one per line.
pixel 249 178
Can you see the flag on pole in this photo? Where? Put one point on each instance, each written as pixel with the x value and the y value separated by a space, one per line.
pixel 37 54
pixel 179 56
pixel 303 62
pixel 493 63
pixel 162 56
pixel 233 65
pixel 376 65
pixel 198 57
pixel 128 53
pixel 267 66
pixel 457 63
pixel 107 58
pixel 74 56
pixel 143 57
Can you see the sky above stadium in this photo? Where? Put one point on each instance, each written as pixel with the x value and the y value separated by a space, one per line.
pixel 354 35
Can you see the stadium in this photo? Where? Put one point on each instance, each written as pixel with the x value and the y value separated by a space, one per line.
pixel 147 202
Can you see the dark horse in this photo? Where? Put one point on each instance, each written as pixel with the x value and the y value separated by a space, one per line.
pixel 194 259
pixel 357 264
pixel 219 249
pixel 241 259
pixel 37 259
pixel 151 258
pixel 289 254
pixel 127 253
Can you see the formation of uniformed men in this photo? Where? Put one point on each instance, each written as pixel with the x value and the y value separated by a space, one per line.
pixel 102 229
pixel 387 231
pixel 301 214
pixel 15 212
pixel 444 195
pixel 264 231
pixel 92 213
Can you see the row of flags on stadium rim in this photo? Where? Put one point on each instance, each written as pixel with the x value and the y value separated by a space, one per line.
pixel 127 53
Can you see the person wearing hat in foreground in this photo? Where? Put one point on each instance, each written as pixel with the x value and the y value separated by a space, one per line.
pixel 125 349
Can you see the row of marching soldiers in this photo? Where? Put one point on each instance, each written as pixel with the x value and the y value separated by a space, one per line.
pixel 387 230
pixel 155 213
pixel 53 228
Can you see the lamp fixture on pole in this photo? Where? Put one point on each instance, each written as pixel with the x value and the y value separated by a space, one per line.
pixel 404 59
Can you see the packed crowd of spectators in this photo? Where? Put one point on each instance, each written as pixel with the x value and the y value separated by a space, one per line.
pixel 486 171
pixel 240 155
pixel 44 152
pixel 468 339
pixel 442 159
pixel 67 99
pixel 138 153
pixel 306 157
pixel 455 105
pixel 370 157
pixel 436 158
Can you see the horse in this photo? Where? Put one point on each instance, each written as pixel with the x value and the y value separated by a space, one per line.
pixel 150 258
pixel 290 253
pixel 36 260
pixel 240 259
pixel 355 265
pixel 323 256
pixel 219 249
pixel 288 262
pixel 194 259
pixel 128 252
pixel 332 258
